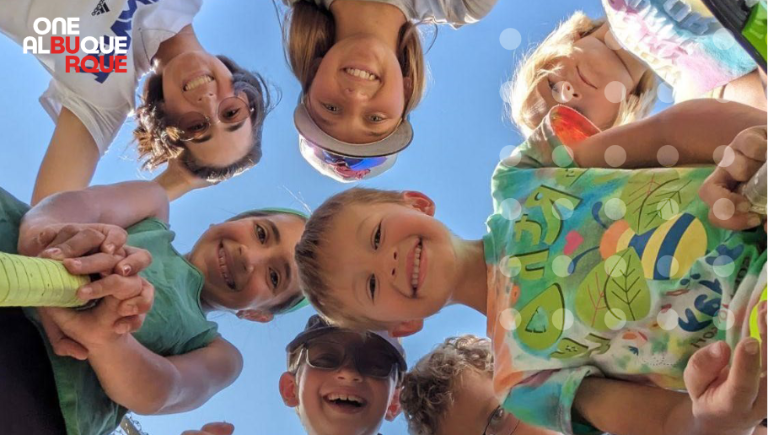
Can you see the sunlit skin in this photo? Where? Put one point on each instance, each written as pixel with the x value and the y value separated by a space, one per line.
pixel 370 251
pixel 224 143
pixel 308 389
pixel 258 252
pixel 473 404
pixel 581 78
pixel 350 108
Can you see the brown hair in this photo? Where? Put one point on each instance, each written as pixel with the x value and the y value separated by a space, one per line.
pixel 158 141
pixel 309 32
pixel 523 103
pixel 309 255
pixel 429 388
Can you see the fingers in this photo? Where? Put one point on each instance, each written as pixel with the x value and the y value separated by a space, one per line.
pixel 140 304
pixel 79 244
pixel 219 428
pixel 127 325
pixel 120 287
pixel 114 238
pixel 740 166
pixel 91 264
pixel 134 262
pixel 752 143
pixel 727 209
pixel 742 385
pixel 60 343
pixel 704 368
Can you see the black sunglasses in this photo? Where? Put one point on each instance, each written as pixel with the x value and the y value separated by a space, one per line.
pixel 368 358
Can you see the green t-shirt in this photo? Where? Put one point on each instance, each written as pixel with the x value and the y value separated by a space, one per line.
pixel 614 272
pixel 175 325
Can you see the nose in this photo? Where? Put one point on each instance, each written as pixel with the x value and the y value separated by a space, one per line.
pixel 565 92
pixel 249 259
pixel 207 102
pixel 348 372
pixel 356 94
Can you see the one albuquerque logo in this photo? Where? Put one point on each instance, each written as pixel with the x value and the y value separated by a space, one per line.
pixel 104 54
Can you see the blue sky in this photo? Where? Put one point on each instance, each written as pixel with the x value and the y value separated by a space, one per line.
pixel 460 130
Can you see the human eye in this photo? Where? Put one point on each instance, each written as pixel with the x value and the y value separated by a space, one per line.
pixel 274 278
pixel 261 233
pixel 376 118
pixel 330 107
pixel 231 114
pixel 372 287
pixel 377 237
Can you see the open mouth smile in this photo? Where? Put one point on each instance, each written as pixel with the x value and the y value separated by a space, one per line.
pixel 197 82
pixel 347 403
pixel 224 268
pixel 361 74
pixel 416 267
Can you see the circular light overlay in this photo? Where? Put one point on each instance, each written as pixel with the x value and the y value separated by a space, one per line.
pixel 665 94
pixel 562 317
pixel 510 266
pixel 724 156
pixel 562 156
pixel 511 209
pixel 564 208
pixel 510 155
pixel 725 319
pixel 615 156
pixel 668 209
pixel 615 319
pixel 561 265
pixel 509 319
pixel 668 156
pixel 615 209
pixel 723 209
pixel 615 266
pixel 615 92
pixel 667 319
pixel 723 39
pixel 723 266
pixel 510 38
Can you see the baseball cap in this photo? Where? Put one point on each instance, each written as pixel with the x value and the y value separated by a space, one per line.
pixel 317 326
pixel 343 161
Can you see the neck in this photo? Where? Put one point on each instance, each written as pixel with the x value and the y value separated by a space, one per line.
pixel 634 65
pixel 204 304
pixel 354 18
pixel 472 289
pixel 182 42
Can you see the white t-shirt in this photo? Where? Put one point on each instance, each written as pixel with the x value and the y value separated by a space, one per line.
pixel 453 12
pixel 102 101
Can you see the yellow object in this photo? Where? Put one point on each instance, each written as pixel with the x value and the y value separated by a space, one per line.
pixel 754 330
pixel 37 282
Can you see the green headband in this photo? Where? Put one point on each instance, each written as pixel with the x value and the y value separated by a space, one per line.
pixel 300 302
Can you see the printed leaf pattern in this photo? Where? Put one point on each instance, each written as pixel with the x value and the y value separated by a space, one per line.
pixel 600 294
pixel 568 348
pixel 540 331
pixel 654 197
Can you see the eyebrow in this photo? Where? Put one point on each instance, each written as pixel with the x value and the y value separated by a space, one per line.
pixel 274 229
pixel 288 277
pixel 231 129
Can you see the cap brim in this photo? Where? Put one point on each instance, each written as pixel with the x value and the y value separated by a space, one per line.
pixel 397 141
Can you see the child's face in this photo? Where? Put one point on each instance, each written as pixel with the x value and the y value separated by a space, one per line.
pixel 349 103
pixel 590 80
pixel 315 394
pixel 475 410
pixel 197 82
pixel 391 262
pixel 248 263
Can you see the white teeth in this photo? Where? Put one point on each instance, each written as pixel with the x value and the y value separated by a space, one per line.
pixel 199 81
pixel 224 268
pixel 361 74
pixel 345 397
pixel 416 265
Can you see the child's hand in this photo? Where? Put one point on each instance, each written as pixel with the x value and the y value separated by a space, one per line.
pixel 741 159
pixel 62 241
pixel 727 400
pixel 212 429
pixel 122 311
pixel 178 180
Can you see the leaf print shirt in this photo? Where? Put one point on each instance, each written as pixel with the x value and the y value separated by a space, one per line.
pixel 605 272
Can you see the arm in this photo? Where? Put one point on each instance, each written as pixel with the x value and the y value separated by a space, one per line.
pixel 147 383
pixel 70 160
pixel 747 89
pixel 695 128
pixel 178 180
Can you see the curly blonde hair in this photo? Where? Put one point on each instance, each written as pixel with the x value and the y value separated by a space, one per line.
pixel 429 388
pixel 309 254
pixel 525 106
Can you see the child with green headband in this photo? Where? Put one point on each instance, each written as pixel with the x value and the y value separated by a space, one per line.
pixel 90 374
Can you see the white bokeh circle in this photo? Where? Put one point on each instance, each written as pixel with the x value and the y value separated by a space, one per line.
pixel 510 155
pixel 509 319
pixel 510 38
pixel 723 209
pixel 668 156
pixel 724 156
pixel 723 39
pixel 564 208
pixel 511 209
pixel 561 265
pixel 615 92
pixel 615 156
pixel 615 319
pixel 723 266
pixel 724 319
pixel 667 319
pixel 562 316
pixel 668 263
pixel 510 266
pixel 615 266
pixel 562 156
pixel 668 209
pixel 615 209
pixel 665 93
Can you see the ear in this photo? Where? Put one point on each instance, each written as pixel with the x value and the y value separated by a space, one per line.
pixel 420 202
pixel 260 316
pixel 405 329
pixel 394 408
pixel 407 89
pixel 289 390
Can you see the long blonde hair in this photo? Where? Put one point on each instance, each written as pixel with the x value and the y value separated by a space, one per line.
pixel 522 101
pixel 309 32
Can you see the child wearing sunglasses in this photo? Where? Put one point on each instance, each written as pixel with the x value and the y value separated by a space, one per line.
pixel 343 382
pixel 78 372
pixel 362 71
pixel 193 103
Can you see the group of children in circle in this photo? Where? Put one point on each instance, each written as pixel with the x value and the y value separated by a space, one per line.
pixel 371 260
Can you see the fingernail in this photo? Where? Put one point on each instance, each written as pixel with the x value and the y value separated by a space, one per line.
pixel 126 269
pixel 715 350
pixel 110 248
pixel 133 309
pixel 743 207
pixel 86 290
pixel 754 221
pixel 53 251
pixel 76 263
pixel 751 346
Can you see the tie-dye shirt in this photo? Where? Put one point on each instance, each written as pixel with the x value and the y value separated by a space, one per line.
pixel 681 41
pixel 604 272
